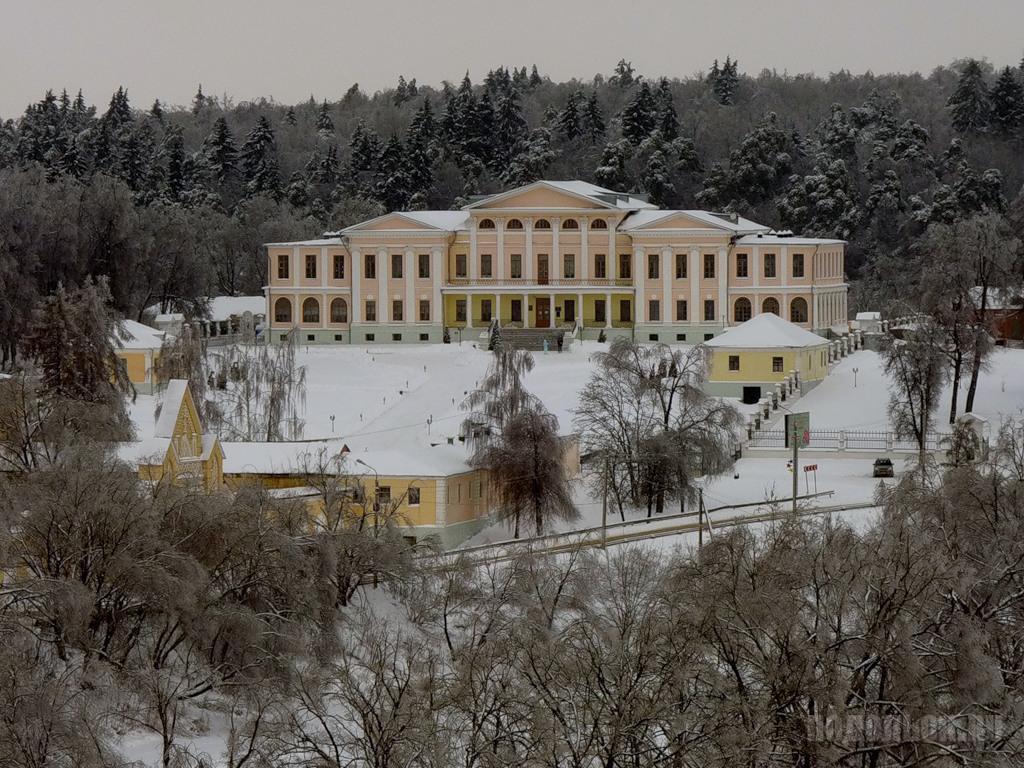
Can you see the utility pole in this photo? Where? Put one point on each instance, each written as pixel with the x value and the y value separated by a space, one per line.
pixel 700 518
pixel 604 507
pixel 796 461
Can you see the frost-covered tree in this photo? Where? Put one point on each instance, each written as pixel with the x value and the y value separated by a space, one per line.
pixel 612 172
pixel 969 104
pixel 259 161
pixel 324 123
pixel 640 116
pixel 1007 100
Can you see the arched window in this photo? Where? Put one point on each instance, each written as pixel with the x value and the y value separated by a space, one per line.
pixel 282 311
pixel 311 310
pixel 542 224
pixel 339 311
pixel 798 310
pixel 770 305
pixel 514 224
pixel 486 224
pixel 741 310
pixel 599 224
pixel 570 224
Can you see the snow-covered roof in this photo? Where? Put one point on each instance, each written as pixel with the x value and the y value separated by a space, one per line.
pixel 223 307
pixel 776 238
pixel 448 220
pixel 607 198
pixel 173 397
pixel 330 239
pixel 724 221
pixel 766 330
pixel 151 450
pixel 291 457
pixel 868 316
pixel 135 335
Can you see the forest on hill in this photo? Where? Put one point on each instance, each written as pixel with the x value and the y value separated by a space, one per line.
pixel 172 203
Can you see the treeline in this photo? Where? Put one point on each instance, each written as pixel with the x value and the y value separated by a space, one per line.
pixel 190 192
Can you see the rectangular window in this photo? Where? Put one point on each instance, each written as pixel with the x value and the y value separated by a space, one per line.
pixel 517 310
pixel 769 265
pixel 517 265
pixel 709 266
pixel 625 269
pixel 310 265
pixel 383 494
pixel 282 267
pixel 485 265
pixel 599 311
pixel 460 265
pixel 742 269
pixel 371 311
pixel 734 362
pixel 414 496
pixel 681 309
pixel 652 266
pixel 625 310
pixel 654 310
pixel 776 365
pixel 460 310
pixel 600 266
pixel 424 259
pixel 680 266
pixel 370 267
pixel 485 310
pixel 339 266
pixel 569 266
pixel 396 337
pixel 424 310
pixel 396 310
pixel 396 265
pixel 709 309
pixel 798 265
pixel 371 337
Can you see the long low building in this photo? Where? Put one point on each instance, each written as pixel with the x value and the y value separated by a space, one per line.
pixel 551 255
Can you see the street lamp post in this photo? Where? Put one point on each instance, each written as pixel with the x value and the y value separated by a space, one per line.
pixel 855 372
pixel 376 506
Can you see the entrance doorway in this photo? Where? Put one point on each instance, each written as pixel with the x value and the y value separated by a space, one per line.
pixel 542 306
pixel 569 310
pixel 517 310
pixel 751 395
pixel 542 269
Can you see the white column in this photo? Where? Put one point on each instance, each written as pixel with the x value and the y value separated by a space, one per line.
pixel 608 310
pixel 555 266
pixel 436 278
pixel 579 308
pixel 755 266
pixel 410 314
pixel 497 308
pixel 722 275
pixel 382 285
pixel 500 256
pixel 528 266
pixel 469 310
pixel 551 309
pixel 526 310
pixel 696 273
pixel 584 249
pixel 814 309
pixel 613 258
pixel 640 279
pixel 474 259
pixel 784 265
pixel 356 310
pixel 666 280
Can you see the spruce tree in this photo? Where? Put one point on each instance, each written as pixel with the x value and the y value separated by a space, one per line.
pixel 668 120
pixel 640 116
pixel 612 172
pixel 198 101
pixel 157 111
pixel 259 161
pixel 289 116
pixel 969 103
pixel 176 177
pixel 220 151
pixel 509 126
pixel 724 81
pixel 1007 104
pixel 568 122
pixel 324 123
pixel 656 179
pixel 623 75
pixel 535 78
pixel 593 119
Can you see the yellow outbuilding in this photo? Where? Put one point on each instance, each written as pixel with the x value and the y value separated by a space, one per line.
pixel 138 346
pixel 749 359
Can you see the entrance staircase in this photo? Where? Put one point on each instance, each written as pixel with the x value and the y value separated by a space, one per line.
pixel 533 339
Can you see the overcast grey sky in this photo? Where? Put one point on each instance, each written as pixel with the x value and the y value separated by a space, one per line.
pixel 290 48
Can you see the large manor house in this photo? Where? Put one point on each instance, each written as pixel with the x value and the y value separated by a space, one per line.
pixel 551 255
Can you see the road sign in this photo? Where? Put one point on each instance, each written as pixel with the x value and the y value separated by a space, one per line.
pixel 798 425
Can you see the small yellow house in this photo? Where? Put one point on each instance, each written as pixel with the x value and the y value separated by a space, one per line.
pixel 179 451
pixel 138 346
pixel 431 492
pixel 749 359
